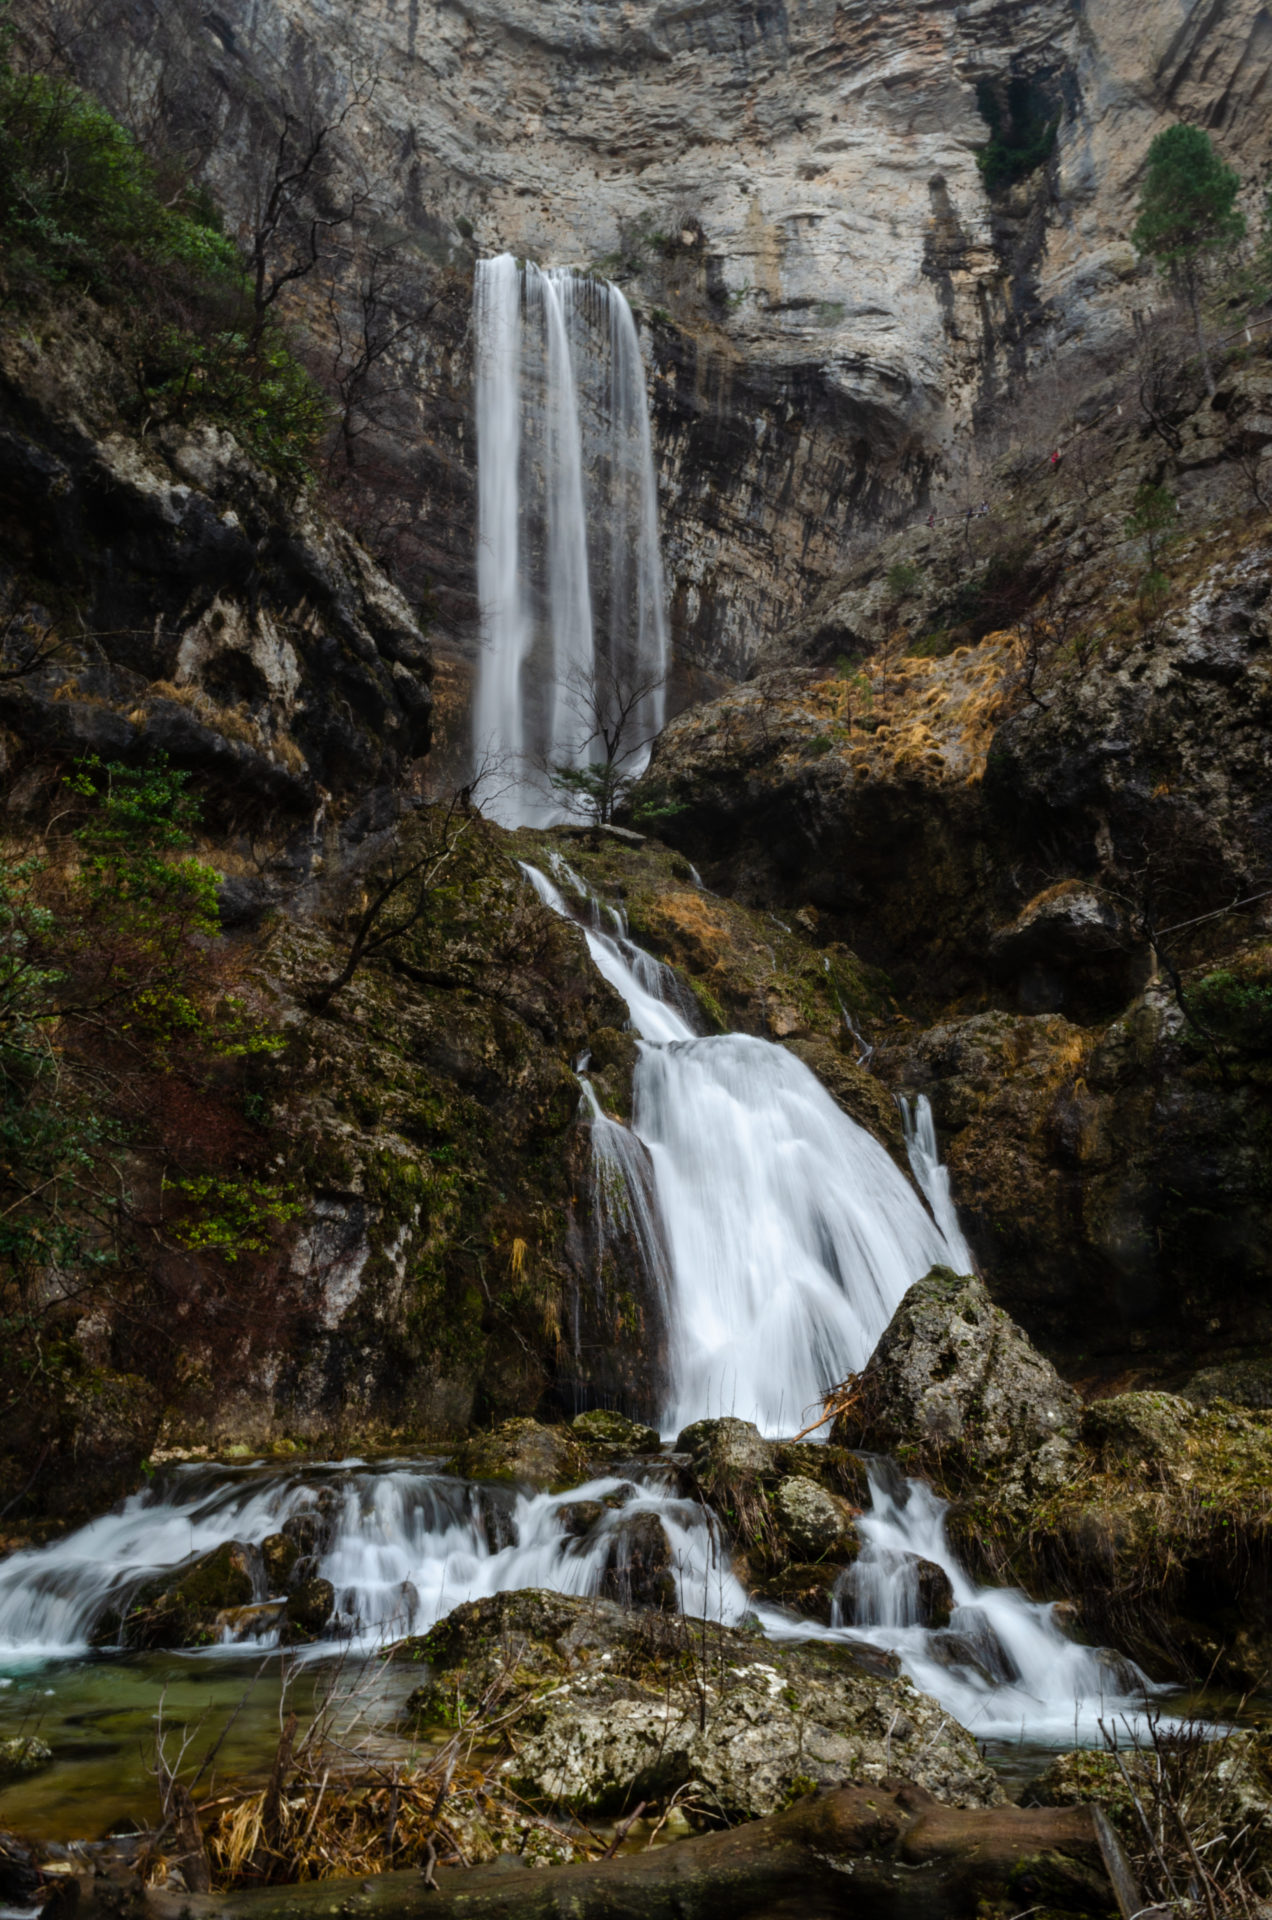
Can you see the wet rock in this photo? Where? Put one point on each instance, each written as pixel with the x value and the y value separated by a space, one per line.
pixel 640 1566
pixel 279 1555
pixel 817 1525
pixel 931 1595
pixel 578 1518
pixel 180 1608
pixel 601 1431
pixel 21 1755
pixel 312 1530
pixel 723 1452
pixel 1247 1383
pixel 308 1612
pixel 526 1453
pixel 808 1591
pixel 628 1715
pixel 956 1388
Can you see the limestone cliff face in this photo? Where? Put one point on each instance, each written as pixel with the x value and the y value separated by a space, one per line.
pixel 788 190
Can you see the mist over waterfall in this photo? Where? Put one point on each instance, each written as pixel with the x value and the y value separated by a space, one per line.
pixel 569 575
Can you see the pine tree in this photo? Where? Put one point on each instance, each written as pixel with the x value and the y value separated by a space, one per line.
pixel 1187 217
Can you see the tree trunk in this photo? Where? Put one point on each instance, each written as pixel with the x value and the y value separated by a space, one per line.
pixel 1194 301
pixel 882 1853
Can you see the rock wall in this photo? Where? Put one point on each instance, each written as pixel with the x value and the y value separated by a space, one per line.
pixel 788 190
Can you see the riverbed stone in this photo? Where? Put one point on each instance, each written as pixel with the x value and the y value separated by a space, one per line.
pixel 279 1555
pixel 525 1453
pixel 602 1431
pixel 309 1611
pixel 956 1390
pixel 816 1524
pixel 180 1607
pixel 640 1566
pixel 620 1706
pixel 21 1755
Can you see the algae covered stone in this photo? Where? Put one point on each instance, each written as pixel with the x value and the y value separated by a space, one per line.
pixel 524 1452
pixel 20 1755
pixel 602 1431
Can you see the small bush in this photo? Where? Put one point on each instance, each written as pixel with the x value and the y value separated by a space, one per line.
pixel 1021 139
pixel 82 206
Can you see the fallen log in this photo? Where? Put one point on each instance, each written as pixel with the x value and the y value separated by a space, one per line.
pixel 882 1853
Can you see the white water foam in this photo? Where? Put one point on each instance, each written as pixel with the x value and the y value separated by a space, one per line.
pixel 402 1546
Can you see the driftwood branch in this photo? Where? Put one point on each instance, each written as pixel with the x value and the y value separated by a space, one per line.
pixel 882 1853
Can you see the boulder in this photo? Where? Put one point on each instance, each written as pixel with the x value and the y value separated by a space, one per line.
pixel 817 1524
pixel 601 1431
pixel 20 1755
pixel 808 1591
pixel 956 1389
pixel 1246 1383
pixel 308 1613
pixel 525 1453
pixel 180 1608
pixel 279 1555
pixel 623 1706
pixel 725 1451
pixel 931 1597
pixel 640 1566
pixel 1146 1432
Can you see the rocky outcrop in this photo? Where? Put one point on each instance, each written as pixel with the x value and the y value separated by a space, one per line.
pixel 611 1712
pixel 955 1390
pixel 792 197
pixel 1158 1535
pixel 174 598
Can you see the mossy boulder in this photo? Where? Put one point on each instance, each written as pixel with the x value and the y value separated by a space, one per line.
pixel 726 1451
pixel 957 1391
pixel 808 1590
pixel 180 1608
pixel 603 1432
pixel 619 1706
pixel 308 1612
pixel 1247 1383
pixel 1161 1536
pixel 279 1555
pixel 524 1453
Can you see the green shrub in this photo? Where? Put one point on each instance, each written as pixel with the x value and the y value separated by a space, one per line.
pixel 82 206
pixel 1236 1010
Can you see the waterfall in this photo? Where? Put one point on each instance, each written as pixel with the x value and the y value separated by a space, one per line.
pixel 402 1545
pixel 1002 1666
pixel 569 575
pixel 790 1235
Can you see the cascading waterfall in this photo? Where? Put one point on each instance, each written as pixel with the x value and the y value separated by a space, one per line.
pixel 569 575
pixel 402 1546
pixel 787 1237
pixel 791 1236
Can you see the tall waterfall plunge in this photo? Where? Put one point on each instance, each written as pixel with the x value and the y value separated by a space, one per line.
pixel 569 576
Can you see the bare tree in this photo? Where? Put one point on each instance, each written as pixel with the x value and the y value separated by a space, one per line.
pixel 293 211
pixel 612 706
pixel 367 327
pixel 396 893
